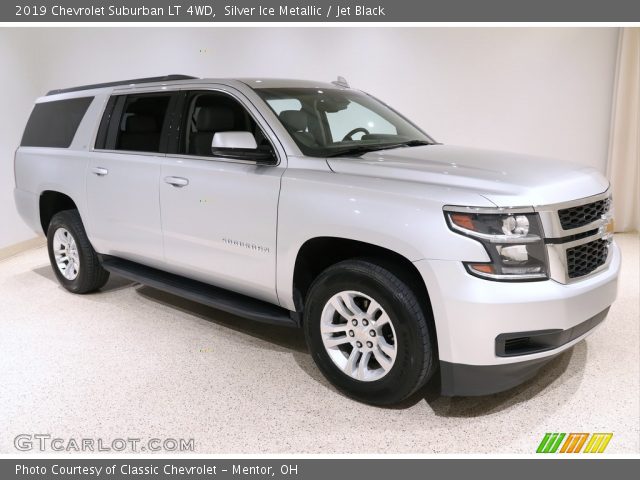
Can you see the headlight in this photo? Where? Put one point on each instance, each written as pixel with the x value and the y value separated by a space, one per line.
pixel 513 240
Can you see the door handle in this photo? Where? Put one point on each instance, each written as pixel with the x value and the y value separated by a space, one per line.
pixel 99 171
pixel 177 181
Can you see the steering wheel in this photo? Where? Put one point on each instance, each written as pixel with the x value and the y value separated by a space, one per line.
pixel 349 136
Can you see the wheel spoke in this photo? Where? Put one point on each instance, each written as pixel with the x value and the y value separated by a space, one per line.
pixel 373 308
pixel 333 342
pixel 352 362
pixel 387 349
pixel 349 301
pixel 382 321
pixel 334 327
pixel 382 359
pixel 363 367
pixel 341 308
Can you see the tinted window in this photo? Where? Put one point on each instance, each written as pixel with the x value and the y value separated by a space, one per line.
pixel 134 122
pixel 208 113
pixel 54 124
pixel 141 122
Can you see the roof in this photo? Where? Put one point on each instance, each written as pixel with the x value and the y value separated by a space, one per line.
pixel 285 83
pixel 250 82
pixel 134 81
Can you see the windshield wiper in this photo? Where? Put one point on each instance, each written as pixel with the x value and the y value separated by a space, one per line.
pixel 415 143
pixel 362 149
pixel 357 150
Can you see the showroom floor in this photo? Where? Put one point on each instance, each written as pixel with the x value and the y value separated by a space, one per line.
pixel 133 362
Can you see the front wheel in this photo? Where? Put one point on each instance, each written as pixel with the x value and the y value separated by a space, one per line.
pixel 72 257
pixel 368 333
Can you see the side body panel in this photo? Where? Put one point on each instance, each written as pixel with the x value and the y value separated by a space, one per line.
pixel 401 216
pixel 220 225
pixel 123 206
pixel 48 169
pixel 57 169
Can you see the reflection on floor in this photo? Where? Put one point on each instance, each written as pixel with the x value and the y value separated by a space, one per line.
pixel 132 362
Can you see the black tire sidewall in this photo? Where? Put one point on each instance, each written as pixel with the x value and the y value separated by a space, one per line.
pixel 70 221
pixel 403 377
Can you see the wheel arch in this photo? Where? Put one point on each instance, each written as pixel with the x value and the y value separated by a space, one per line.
pixel 52 202
pixel 317 254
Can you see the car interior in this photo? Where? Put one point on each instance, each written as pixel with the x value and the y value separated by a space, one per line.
pixel 142 122
pixel 210 113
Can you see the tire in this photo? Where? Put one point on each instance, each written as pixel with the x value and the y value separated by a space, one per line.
pixel 83 272
pixel 378 297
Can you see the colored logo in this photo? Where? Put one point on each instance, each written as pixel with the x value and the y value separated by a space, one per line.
pixel 574 443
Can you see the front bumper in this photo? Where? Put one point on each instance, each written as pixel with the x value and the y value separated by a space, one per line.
pixel 458 379
pixel 471 315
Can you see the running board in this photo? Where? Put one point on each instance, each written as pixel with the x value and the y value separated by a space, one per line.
pixel 231 302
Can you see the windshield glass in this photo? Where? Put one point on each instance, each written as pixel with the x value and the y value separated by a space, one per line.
pixel 330 122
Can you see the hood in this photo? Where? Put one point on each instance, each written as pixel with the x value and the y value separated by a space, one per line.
pixel 506 179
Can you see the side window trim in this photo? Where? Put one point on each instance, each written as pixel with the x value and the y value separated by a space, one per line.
pixel 101 136
pixel 114 123
pixel 176 105
pixel 165 130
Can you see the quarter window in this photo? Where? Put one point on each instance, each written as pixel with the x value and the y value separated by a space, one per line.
pixel 54 124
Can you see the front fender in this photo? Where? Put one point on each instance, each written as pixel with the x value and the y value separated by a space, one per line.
pixel 404 217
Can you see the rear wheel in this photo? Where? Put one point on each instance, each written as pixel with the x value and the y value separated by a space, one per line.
pixel 368 333
pixel 74 261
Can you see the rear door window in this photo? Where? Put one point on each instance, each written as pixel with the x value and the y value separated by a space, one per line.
pixel 54 124
pixel 135 123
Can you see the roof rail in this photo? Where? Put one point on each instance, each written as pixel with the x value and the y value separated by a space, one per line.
pixel 165 78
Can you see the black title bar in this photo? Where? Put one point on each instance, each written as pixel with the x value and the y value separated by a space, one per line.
pixel 213 11
pixel 315 469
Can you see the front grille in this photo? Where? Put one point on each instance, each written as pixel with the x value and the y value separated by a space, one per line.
pixel 584 259
pixel 581 215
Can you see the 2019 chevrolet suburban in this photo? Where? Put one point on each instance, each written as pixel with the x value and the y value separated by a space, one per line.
pixel 315 205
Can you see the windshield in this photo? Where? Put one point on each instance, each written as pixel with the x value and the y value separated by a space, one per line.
pixel 331 122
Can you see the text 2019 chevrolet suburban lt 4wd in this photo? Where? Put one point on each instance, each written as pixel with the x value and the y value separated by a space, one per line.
pixel 315 205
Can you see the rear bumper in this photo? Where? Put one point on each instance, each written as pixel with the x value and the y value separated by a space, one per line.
pixel 474 318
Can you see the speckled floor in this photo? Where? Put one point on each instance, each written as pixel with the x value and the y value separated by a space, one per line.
pixel 131 362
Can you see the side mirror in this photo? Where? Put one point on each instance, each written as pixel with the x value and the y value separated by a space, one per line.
pixel 240 146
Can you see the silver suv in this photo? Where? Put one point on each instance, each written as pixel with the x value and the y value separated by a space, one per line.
pixel 314 205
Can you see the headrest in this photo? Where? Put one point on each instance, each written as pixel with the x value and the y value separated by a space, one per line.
pixel 215 119
pixel 140 124
pixel 296 120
